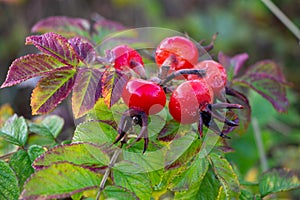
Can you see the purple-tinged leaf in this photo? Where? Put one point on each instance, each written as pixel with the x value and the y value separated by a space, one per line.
pixel 66 26
pixel 244 115
pixel 102 23
pixel 84 50
pixel 52 89
pixel 103 27
pixel 55 45
pixel 233 64
pixel 93 158
pixel 87 90
pixel 59 180
pixel 113 83
pixel 30 66
pixel 267 79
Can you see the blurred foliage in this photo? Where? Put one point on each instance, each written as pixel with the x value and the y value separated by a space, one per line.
pixel 243 26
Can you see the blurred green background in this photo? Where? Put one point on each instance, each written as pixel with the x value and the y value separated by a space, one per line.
pixel 243 26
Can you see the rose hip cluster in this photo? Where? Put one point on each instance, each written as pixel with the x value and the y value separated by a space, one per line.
pixel 197 98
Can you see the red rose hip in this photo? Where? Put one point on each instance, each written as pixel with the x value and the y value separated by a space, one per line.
pixel 144 96
pixel 188 99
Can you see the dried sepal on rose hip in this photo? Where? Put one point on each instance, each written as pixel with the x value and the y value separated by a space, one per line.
pixel 126 58
pixel 143 98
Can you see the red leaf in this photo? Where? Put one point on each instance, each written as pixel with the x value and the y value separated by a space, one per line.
pixel 52 89
pixel 267 79
pixel 30 66
pixel 87 90
pixel 55 45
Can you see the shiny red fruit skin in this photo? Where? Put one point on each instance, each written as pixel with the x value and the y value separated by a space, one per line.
pixel 144 96
pixel 188 99
pixel 125 57
pixel 184 50
pixel 215 76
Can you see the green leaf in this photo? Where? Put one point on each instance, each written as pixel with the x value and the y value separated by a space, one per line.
pixel 207 190
pixel 21 164
pixel 15 130
pixel 156 178
pixel 95 132
pixel 51 126
pixel 182 150
pixel 117 192
pixel 52 89
pixel 191 176
pixel 278 180
pixel 9 188
pixel 83 154
pixel 35 151
pixel 137 183
pixel 101 111
pixel 149 161
pixel 58 181
pixel 246 194
pixel 226 176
